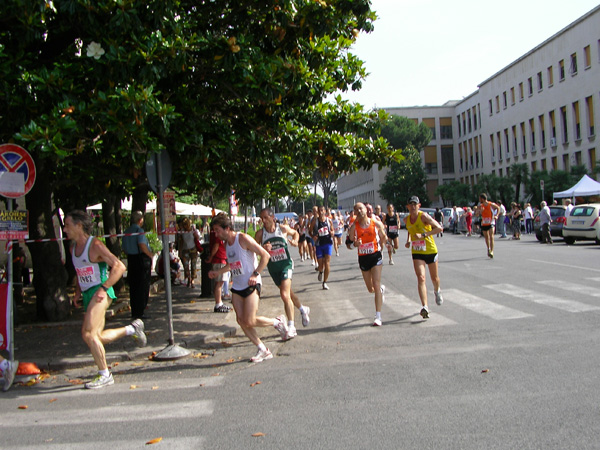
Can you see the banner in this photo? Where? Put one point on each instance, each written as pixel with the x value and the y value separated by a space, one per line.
pixel 4 317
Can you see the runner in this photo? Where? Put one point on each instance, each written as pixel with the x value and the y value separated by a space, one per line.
pixel 91 259
pixel 323 230
pixel 392 222
pixel 245 270
pixel 421 227
pixel 274 238
pixel 302 245
pixel 338 230
pixel 489 213
pixel 309 238
pixel 369 236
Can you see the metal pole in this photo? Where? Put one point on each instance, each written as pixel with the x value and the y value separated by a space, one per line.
pixel 9 294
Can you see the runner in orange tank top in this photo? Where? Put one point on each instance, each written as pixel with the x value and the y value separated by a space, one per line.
pixel 489 212
pixel 369 236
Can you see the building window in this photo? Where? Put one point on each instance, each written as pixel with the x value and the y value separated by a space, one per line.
pixel 491 108
pixel 530 86
pixel 589 106
pixel 578 158
pixel 431 168
pixel 475 118
pixel 523 139
pixel 492 147
pixel 539 81
pixel 554 163
pixel 550 76
pixel 532 134
pixel 507 142
pixel 592 156
pixel 504 100
pixel 574 64
pixel 521 92
pixel 515 140
pixel 552 127
pixel 446 131
pixel 533 166
pixel 566 165
pixel 447 159
pixel 469 120
pixel 458 122
pixel 563 122
pixel 544 167
pixel 587 57
pixel 561 70
pixel 512 95
pixel 576 121
pixel 499 146
pixel 497 103
pixel 542 131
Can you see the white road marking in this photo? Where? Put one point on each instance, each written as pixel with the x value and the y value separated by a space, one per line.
pixel 482 306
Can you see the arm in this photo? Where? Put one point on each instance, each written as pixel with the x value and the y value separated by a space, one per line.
pixel 407 244
pixel 291 233
pixel 247 243
pixel 382 234
pixel 99 252
pixel 435 226
pixel 145 250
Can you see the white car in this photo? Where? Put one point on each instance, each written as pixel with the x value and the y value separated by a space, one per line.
pixel 583 224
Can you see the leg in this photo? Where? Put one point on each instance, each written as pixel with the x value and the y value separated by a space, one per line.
pixel 375 274
pixel 218 291
pixel 326 261
pixel 93 332
pixel 433 273
pixel 486 235
pixel 245 310
pixel 285 291
pixel 419 266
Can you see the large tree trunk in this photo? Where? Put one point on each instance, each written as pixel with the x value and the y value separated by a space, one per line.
pixel 49 274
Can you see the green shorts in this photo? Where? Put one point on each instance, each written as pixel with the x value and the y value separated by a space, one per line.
pixel 89 294
pixel 281 273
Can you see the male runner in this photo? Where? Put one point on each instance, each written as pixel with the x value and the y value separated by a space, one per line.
pixel 245 271
pixel 421 227
pixel 274 238
pixel 91 259
pixel 488 212
pixel 392 223
pixel 369 236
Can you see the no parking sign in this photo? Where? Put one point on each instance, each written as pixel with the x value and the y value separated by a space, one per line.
pixel 16 164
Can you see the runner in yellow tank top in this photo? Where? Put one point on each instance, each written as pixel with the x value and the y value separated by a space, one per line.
pixel 421 227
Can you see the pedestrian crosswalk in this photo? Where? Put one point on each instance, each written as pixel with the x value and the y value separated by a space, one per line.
pixel 496 301
pixel 156 405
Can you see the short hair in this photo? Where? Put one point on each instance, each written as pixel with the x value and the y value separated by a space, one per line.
pixel 136 216
pixel 543 203
pixel 81 217
pixel 221 220
pixel 483 196
pixel 268 210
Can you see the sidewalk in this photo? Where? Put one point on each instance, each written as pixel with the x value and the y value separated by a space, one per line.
pixel 59 346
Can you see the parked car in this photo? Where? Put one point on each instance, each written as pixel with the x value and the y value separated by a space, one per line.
pixel 557 213
pixel 583 224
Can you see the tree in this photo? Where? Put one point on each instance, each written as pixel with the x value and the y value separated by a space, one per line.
pixel 405 179
pixel 234 90
pixel 533 187
pixel 518 174
pixel 327 185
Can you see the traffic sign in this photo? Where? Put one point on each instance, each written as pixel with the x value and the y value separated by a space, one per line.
pixel 16 160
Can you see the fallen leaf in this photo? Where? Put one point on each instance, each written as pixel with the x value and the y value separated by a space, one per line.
pixel 115 364
pixel 485 370
pixel 258 434
pixel 133 386
pixel 154 388
pixel 154 441
pixel 52 400
pixel 255 383
pixel 23 407
pixel 76 381
pixel 231 360
pixel 215 374
pixel 192 301
pixel 200 356
pixel 226 344
pixel 202 385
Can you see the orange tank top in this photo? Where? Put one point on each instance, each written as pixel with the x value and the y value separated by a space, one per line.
pixel 369 237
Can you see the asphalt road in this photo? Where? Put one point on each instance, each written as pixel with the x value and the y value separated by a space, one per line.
pixel 509 361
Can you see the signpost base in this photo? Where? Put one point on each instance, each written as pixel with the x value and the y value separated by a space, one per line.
pixel 171 352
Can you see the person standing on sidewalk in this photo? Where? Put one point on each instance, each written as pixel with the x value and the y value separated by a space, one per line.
pixel 91 259
pixel 186 245
pixel 9 370
pixel 421 227
pixel 369 236
pixel 139 265
pixel 488 212
pixel 501 223
pixel 245 270
pixel 217 259
pixel 545 219
pixel 274 239
pixel 528 219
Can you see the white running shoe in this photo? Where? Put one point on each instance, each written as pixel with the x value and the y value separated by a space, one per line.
pixel 438 297
pixel 139 336
pixel 281 326
pixel 100 381
pixel 377 322
pixel 391 262
pixel 9 374
pixel 425 312
pixel 305 317
pixel 292 333
pixel 261 356
pixel 382 293
pixel 325 287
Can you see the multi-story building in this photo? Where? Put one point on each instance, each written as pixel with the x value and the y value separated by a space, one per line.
pixel 541 110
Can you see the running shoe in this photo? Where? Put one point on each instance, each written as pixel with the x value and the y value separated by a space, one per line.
pixel 9 374
pixel 261 356
pixel 391 262
pixel 425 312
pixel 305 317
pixel 291 333
pixel 221 308
pixel 382 293
pixel 100 381
pixel 320 276
pixel 281 326
pixel 491 254
pixel 438 297
pixel 139 336
pixel 325 287
pixel 377 322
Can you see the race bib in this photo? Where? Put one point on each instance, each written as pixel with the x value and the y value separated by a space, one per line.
pixel 486 221
pixel 87 276
pixel 393 228
pixel 419 246
pixel 366 249
pixel 323 231
pixel 236 268
pixel 278 254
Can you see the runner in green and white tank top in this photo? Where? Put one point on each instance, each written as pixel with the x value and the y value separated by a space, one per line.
pixel 280 265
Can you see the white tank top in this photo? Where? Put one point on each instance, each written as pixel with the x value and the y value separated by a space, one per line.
pixel 242 263
pixel 89 274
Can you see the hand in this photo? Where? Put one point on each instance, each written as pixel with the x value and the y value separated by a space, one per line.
pixel 267 246
pixel 407 245
pixel 76 300
pixel 212 274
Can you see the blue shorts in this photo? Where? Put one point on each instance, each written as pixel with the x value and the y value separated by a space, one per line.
pixel 323 250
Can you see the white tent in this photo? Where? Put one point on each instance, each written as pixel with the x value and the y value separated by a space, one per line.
pixel 584 188
pixel 182 209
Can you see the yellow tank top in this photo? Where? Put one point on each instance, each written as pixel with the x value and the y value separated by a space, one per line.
pixel 424 246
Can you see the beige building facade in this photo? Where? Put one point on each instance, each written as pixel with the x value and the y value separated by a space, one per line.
pixel 541 110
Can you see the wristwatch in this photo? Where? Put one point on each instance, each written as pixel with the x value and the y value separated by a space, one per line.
pixel 104 287
pixel 255 273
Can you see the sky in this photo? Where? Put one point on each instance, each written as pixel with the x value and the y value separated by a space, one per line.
pixel 426 52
